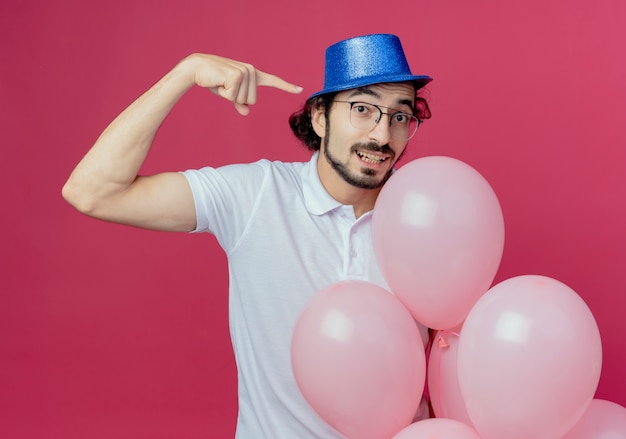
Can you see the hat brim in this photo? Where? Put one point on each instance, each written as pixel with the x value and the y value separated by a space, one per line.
pixel 419 82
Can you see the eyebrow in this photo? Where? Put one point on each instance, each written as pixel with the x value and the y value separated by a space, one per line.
pixel 368 91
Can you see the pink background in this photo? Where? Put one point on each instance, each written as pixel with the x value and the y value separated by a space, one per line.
pixel 108 331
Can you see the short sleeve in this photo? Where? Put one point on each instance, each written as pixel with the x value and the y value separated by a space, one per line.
pixel 225 198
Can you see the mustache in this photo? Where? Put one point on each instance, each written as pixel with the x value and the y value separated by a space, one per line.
pixel 374 147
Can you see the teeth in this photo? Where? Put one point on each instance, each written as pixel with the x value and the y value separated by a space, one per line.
pixel 370 158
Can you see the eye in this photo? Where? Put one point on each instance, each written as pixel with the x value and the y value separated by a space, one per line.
pixel 401 118
pixel 361 109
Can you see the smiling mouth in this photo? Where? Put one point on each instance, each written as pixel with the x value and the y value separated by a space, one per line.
pixel 371 158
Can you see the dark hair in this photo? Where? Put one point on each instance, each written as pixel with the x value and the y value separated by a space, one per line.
pixel 300 121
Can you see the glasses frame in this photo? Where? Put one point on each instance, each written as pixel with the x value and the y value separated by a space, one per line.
pixel 380 115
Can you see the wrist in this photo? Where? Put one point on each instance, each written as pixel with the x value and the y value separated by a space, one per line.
pixel 185 71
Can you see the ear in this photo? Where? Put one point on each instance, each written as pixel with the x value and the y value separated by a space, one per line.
pixel 318 120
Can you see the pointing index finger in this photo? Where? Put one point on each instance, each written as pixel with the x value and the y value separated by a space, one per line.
pixel 269 80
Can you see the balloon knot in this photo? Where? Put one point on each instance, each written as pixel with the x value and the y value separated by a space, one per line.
pixel 442 342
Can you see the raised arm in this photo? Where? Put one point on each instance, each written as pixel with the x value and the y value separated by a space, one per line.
pixel 106 185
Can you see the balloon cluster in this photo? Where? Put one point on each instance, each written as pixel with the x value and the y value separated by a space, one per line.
pixel 517 360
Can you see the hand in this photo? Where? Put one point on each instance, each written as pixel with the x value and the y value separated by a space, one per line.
pixel 234 80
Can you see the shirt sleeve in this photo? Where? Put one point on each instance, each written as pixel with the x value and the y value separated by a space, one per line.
pixel 225 198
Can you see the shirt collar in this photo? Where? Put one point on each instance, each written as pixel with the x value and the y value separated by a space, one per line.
pixel 316 199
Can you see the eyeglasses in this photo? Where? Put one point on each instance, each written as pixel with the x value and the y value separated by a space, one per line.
pixel 365 116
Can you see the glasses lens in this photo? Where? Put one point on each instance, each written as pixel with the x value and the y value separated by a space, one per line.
pixel 403 125
pixel 365 116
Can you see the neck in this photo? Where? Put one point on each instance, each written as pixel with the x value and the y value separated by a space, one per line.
pixel 361 200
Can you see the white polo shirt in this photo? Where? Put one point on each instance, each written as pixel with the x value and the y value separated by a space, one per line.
pixel 286 238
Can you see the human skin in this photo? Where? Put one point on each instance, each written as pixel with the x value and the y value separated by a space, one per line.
pixel 367 157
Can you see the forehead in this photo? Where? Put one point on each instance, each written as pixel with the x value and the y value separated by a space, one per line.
pixel 388 92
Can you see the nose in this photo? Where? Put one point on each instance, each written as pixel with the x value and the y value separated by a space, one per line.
pixel 381 132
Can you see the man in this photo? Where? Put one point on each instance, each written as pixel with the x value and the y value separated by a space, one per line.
pixel 288 229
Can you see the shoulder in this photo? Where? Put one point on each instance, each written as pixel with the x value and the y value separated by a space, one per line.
pixel 247 178
pixel 265 169
pixel 259 167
